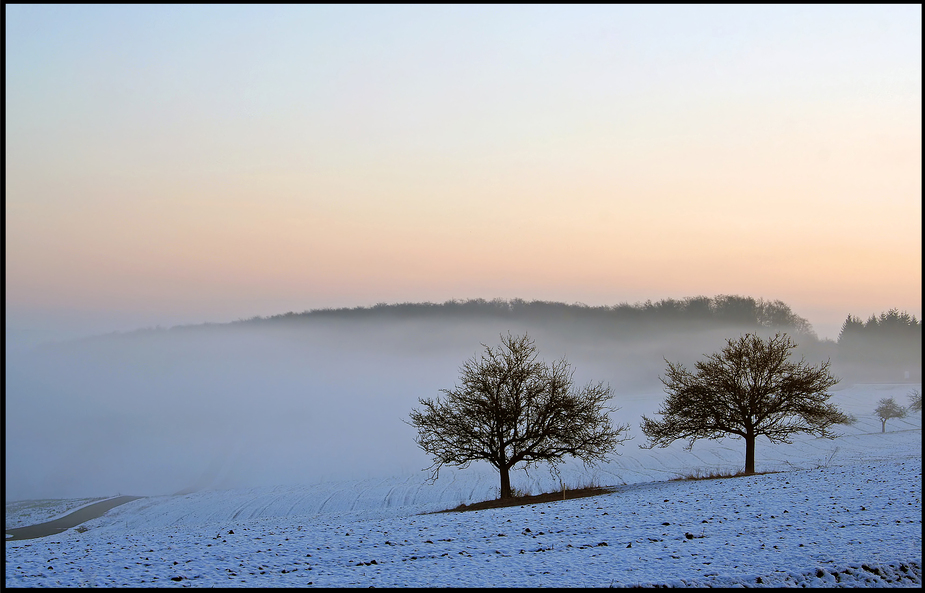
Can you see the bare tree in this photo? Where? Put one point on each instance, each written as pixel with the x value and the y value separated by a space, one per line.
pixel 888 408
pixel 511 408
pixel 915 401
pixel 749 389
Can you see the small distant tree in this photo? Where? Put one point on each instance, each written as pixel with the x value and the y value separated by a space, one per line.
pixel 747 390
pixel 511 408
pixel 915 401
pixel 888 408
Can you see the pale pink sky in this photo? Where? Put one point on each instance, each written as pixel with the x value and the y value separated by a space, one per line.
pixel 186 164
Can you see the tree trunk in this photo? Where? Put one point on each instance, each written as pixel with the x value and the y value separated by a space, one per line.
pixel 750 454
pixel 505 482
pixel 883 425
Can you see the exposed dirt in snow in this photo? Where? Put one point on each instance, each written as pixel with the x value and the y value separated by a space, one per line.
pixel 530 499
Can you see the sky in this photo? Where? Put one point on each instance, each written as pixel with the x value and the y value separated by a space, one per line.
pixel 185 164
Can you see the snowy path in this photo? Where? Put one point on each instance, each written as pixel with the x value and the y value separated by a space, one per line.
pixel 82 515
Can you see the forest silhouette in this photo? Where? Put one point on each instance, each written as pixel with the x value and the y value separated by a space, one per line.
pixel 887 347
pixel 669 314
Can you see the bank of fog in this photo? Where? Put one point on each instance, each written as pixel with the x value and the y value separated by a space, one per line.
pixel 162 411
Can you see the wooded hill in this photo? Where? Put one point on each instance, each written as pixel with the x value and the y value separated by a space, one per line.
pixel 691 313
pixel 885 348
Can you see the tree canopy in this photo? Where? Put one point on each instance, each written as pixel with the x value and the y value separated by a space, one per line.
pixel 888 408
pixel 511 408
pixel 687 313
pixel 886 347
pixel 915 401
pixel 751 388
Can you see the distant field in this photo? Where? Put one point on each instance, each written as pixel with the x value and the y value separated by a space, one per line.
pixel 29 512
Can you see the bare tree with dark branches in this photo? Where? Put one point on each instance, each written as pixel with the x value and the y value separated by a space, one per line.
pixel 749 389
pixel 511 408
pixel 915 400
pixel 888 408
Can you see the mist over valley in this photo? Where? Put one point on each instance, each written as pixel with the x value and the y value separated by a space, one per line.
pixel 323 395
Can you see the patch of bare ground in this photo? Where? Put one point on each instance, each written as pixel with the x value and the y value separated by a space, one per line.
pixel 531 499
pixel 700 475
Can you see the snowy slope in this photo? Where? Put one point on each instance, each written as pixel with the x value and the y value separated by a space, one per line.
pixel 843 512
pixel 29 512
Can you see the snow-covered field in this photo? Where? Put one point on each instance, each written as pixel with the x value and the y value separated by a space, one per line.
pixel 30 512
pixel 843 512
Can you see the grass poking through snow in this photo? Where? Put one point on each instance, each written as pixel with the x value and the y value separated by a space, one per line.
pixel 699 474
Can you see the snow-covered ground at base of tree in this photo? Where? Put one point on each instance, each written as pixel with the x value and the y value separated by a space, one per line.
pixel 842 512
